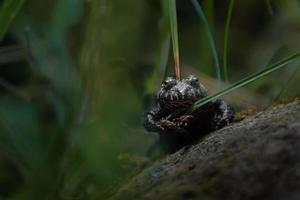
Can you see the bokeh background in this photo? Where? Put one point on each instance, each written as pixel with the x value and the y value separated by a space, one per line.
pixel 77 75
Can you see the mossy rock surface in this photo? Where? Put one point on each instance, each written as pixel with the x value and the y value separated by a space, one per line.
pixel 256 158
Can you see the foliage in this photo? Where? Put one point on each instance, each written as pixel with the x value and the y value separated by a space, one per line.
pixel 210 38
pixel 226 40
pixel 8 11
pixel 71 101
pixel 174 33
pixel 247 80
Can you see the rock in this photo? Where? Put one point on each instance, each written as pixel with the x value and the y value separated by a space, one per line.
pixel 257 158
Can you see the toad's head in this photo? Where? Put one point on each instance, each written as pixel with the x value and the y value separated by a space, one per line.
pixel 180 94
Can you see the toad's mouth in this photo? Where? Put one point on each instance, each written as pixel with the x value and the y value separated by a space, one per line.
pixel 183 104
pixel 175 99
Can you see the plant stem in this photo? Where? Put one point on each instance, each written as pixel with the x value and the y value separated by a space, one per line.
pixel 174 32
pixel 270 8
pixel 246 81
pixel 226 39
pixel 210 37
pixel 8 11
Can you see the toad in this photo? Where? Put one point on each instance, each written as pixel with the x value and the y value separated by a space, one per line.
pixel 177 127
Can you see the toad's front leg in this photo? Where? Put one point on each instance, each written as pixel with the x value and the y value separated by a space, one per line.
pixel 159 120
pixel 152 120
pixel 154 124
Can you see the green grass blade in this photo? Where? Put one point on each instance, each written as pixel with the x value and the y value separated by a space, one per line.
pixel 8 11
pixel 247 80
pixel 210 37
pixel 226 38
pixel 270 8
pixel 164 57
pixel 174 33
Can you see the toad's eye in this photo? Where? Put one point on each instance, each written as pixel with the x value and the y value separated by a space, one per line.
pixel 169 83
pixel 192 79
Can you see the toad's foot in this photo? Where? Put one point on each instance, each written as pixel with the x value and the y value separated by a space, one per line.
pixel 183 121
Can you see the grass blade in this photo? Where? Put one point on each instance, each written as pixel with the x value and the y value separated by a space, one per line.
pixel 8 11
pixel 270 8
pixel 164 58
pixel 210 37
pixel 226 38
pixel 246 80
pixel 174 33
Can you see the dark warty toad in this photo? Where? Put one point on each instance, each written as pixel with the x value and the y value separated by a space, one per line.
pixel 169 117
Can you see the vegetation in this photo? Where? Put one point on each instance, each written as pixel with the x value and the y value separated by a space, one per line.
pixel 77 75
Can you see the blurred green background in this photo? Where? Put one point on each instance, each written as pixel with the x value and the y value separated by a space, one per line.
pixel 77 75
